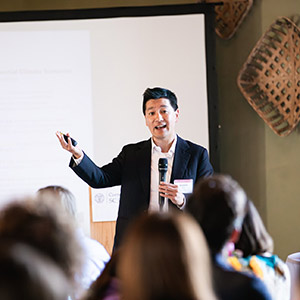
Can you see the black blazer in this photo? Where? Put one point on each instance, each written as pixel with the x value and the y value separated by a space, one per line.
pixel 132 169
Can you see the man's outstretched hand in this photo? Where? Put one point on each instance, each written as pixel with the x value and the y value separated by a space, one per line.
pixel 74 150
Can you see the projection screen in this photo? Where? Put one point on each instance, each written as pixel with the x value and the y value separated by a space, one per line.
pixel 84 72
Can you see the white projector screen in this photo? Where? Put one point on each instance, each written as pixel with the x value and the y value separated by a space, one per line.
pixel 87 77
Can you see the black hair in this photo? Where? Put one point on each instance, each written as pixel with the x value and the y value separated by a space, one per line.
pixel 157 93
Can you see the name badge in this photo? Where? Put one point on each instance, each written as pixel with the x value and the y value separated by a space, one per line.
pixel 185 186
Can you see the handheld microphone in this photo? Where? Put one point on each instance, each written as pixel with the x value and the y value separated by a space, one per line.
pixel 162 168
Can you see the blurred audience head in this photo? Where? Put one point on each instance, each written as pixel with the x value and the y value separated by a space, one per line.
pixel 218 204
pixel 27 274
pixel 165 257
pixel 94 254
pixel 254 238
pixel 47 228
pixel 61 194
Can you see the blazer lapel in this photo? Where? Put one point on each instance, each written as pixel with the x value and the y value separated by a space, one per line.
pixel 181 159
pixel 144 166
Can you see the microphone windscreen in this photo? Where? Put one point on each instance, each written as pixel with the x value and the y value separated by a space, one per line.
pixel 163 164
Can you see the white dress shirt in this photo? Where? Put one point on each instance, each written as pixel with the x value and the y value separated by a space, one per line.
pixel 156 154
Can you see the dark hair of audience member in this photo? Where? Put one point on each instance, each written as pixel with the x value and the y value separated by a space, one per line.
pixel 27 274
pixel 165 257
pixel 46 227
pixel 218 204
pixel 99 288
pixel 254 238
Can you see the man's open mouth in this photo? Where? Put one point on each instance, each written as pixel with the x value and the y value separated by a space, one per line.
pixel 161 126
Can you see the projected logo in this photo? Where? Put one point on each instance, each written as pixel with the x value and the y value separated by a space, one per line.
pixel 105 203
pixel 99 198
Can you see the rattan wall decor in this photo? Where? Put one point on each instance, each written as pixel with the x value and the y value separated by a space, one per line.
pixel 229 16
pixel 270 77
pixel 295 19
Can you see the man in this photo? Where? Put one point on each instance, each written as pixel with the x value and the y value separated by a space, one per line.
pixel 136 167
pixel 218 204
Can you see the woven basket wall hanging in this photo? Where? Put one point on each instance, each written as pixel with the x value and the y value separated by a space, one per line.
pixel 229 16
pixel 295 19
pixel 270 77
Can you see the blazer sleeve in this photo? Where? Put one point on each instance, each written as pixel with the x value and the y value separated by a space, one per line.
pixel 99 177
pixel 204 166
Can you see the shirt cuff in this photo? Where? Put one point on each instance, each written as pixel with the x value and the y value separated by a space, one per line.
pixel 182 206
pixel 77 161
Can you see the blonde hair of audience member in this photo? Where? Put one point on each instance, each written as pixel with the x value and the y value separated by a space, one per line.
pixel 46 227
pixel 95 255
pixel 27 274
pixel 66 198
pixel 165 257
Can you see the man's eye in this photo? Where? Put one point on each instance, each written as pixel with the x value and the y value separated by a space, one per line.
pixel 151 113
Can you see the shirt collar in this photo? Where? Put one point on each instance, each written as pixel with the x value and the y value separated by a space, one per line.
pixel 158 149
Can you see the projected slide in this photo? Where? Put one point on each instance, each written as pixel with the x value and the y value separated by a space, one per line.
pixel 44 80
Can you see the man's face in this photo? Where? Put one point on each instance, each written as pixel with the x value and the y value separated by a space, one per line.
pixel 161 119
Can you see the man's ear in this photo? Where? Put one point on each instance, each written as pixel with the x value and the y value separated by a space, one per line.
pixel 177 114
pixel 234 236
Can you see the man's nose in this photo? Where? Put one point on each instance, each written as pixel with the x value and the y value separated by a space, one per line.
pixel 158 116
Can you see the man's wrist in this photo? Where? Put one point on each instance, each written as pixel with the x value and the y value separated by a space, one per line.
pixel 77 154
pixel 183 202
pixel 77 160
